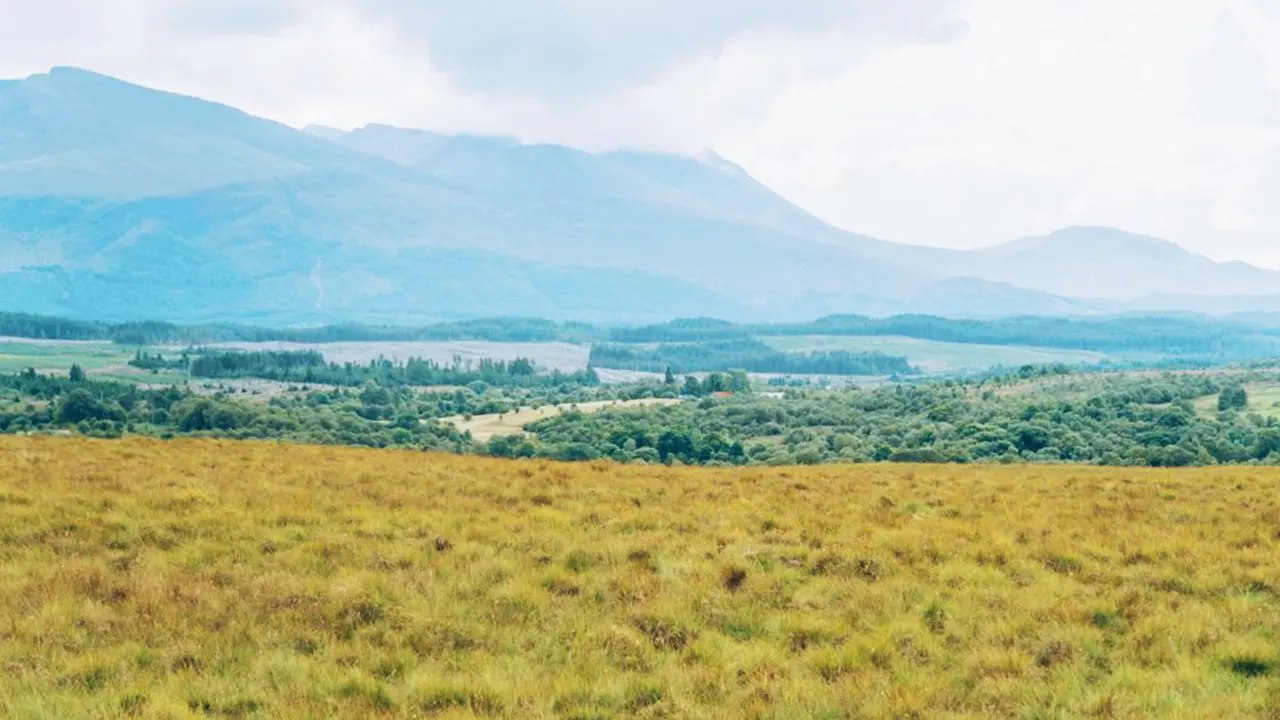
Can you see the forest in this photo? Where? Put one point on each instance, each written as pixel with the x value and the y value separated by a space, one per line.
pixel 746 354
pixel 1186 337
pixel 1040 415
pixel 371 415
pixel 309 366
pixel 1072 418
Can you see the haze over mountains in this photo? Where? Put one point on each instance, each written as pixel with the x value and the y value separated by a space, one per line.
pixel 118 202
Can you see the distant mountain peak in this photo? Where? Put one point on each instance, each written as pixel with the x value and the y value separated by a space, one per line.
pixel 324 131
pixel 1103 262
pixel 79 78
pixel 72 71
pixel 391 130
pixel 1072 232
pixel 1092 238
pixel 713 159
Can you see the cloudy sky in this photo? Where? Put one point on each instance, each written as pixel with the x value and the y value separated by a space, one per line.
pixel 947 122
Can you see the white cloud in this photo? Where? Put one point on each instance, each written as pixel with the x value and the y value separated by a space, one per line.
pixel 960 123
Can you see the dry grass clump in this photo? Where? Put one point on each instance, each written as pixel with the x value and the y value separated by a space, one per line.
pixel 202 579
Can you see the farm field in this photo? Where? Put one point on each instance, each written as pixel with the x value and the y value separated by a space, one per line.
pixel 484 427
pixel 202 578
pixel 936 357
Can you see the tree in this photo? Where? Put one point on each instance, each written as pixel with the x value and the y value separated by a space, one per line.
pixel 374 394
pixel 77 374
pixel 675 442
pixel 692 387
pixel 197 416
pixel 78 406
pixel 670 378
pixel 521 367
pixel 715 383
pixel 1233 398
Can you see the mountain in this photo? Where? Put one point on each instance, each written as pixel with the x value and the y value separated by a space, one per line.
pixel 974 298
pixel 76 133
pixel 708 185
pixel 120 202
pixel 1099 262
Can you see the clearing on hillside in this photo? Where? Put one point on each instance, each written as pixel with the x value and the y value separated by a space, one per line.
pixel 485 427
pixel 1264 399
pixel 190 579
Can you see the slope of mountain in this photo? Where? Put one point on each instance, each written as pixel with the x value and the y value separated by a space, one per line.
pixel 708 185
pixel 119 202
pixel 108 186
pixel 974 298
pixel 75 133
pixel 1097 262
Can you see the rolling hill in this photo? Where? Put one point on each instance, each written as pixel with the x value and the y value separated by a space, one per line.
pixel 121 202
pixel 1106 263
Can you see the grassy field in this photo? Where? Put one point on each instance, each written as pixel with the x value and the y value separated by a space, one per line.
pixel 1264 399
pixel 484 427
pixel 18 354
pixel 936 357
pixel 202 579
pixel 103 360
pixel 109 361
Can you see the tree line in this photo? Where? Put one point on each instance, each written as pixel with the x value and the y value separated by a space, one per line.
pixel 1188 337
pixel 309 366
pixel 745 354
pixel 1166 420
pixel 1050 418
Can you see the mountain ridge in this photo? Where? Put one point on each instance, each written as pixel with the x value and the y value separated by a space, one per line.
pixel 111 191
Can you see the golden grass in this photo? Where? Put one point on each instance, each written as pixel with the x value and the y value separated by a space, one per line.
pixel 484 427
pixel 214 579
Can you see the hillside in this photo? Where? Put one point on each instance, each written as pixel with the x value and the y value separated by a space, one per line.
pixel 119 202
pixel 200 578
pixel 238 217
pixel 1105 263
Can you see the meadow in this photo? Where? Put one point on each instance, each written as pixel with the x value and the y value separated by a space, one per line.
pixel 483 428
pixel 18 354
pixel 1264 400
pixel 213 578
pixel 933 356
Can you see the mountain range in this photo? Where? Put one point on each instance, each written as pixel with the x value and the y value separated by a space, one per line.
pixel 119 202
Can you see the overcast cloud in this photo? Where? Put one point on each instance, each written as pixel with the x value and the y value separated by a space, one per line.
pixel 946 122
